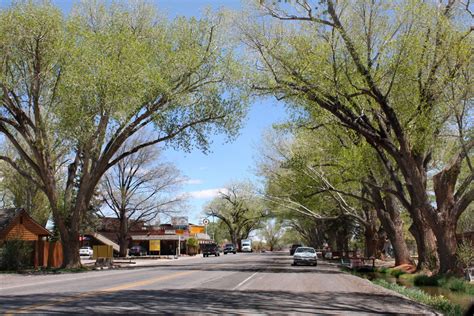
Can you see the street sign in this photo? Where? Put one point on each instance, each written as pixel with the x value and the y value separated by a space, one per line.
pixel 205 221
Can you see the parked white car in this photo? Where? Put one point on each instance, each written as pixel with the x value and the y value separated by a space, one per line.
pixel 86 251
pixel 305 255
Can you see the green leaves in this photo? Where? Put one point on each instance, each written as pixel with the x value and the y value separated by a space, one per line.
pixel 119 61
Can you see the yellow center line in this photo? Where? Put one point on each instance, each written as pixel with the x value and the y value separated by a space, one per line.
pixel 124 286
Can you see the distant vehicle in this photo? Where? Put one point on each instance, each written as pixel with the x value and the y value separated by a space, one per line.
pixel 305 255
pixel 246 245
pixel 86 251
pixel 137 251
pixel 210 249
pixel 229 248
pixel 293 248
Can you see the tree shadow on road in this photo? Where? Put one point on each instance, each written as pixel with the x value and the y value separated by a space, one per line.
pixel 209 301
pixel 276 265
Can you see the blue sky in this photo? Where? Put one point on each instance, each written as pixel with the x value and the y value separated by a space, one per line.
pixel 226 162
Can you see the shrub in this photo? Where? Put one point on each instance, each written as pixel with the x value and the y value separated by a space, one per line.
pixel 465 253
pixel 469 288
pixel 425 280
pixel 457 285
pixel 192 242
pixel 16 254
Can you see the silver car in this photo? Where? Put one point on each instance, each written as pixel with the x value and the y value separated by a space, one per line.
pixel 305 255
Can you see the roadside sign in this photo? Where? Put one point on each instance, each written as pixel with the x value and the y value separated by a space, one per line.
pixel 205 221
pixel 155 245
pixel 102 251
pixel 193 230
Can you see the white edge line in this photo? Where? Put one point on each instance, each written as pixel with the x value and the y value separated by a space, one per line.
pixel 242 283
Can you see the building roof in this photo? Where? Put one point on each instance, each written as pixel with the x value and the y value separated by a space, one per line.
pixel 9 216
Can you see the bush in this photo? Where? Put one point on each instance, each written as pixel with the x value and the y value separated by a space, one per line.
pixel 16 255
pixel 192 242
pixel 465 253
pixel 457 285
pixel 425 280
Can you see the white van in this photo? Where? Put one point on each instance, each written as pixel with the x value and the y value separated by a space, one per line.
pixel 246 245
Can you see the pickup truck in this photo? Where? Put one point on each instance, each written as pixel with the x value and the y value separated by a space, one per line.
pixel 210 249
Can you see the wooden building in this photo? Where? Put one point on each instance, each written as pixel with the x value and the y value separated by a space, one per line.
pixel 17 224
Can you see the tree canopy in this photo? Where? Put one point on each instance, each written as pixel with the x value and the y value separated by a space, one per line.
pixel 396 74
pixel 74 88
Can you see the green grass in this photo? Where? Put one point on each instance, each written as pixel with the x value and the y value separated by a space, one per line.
pixel 393 272
pixel 397 273
pixel 383 270
pixel 448 282
pixel 439 303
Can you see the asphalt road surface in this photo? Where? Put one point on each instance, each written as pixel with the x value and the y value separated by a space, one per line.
pixel 232 284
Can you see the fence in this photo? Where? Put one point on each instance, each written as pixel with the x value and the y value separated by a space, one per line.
pixel 48 254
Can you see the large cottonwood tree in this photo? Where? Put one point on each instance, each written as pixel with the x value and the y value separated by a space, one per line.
pixel 239 208
pixel 75 87
pixel 325 175
pixel 397 73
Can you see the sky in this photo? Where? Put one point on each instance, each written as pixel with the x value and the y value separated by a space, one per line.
pixel 226 162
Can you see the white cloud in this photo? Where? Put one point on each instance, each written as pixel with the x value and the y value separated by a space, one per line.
pixel 205 194
pixel 193 181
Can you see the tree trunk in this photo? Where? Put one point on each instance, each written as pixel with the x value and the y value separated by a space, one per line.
pixel 70 240
pixel 71 245
pixel 239 243
pixel 370 235
pixel 123 234
pixel 123 244
pixel 233 236
pixel 447 246
pixel 393 224
pixel 450 205
pixel 370 231
pixel 400 249
pixel 345 243
pixel 426 246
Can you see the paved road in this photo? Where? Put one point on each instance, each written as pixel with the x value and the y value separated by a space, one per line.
pixel 231 284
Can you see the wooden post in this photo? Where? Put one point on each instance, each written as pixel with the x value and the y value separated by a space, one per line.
pixel 36 260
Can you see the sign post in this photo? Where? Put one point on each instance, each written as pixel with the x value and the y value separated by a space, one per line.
pixel 205 222
pixel 179 247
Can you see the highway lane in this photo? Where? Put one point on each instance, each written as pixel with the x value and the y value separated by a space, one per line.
pixel 231 284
